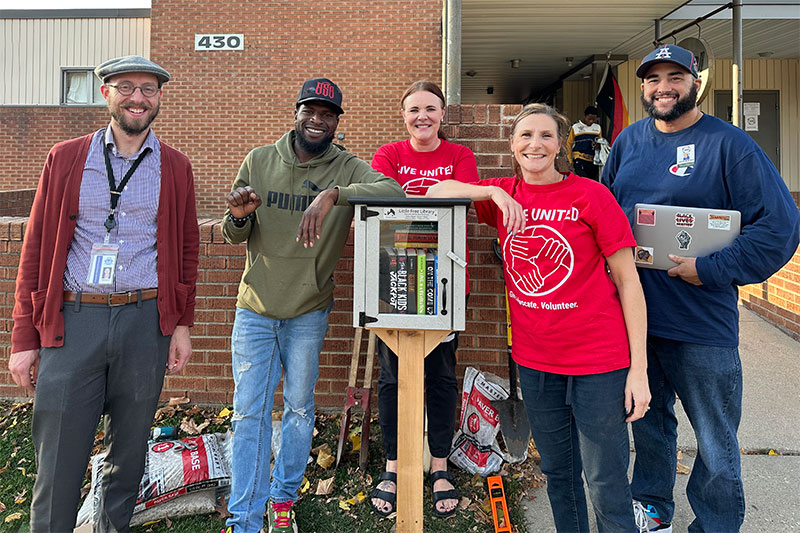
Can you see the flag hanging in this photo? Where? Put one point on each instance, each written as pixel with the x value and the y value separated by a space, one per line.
pixel 610 103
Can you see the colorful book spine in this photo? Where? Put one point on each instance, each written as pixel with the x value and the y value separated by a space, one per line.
pixel 411 265
pixel 421 280
pixel 430 283
pixel 402 281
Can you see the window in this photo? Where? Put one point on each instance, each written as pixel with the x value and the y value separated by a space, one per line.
pixel 79 86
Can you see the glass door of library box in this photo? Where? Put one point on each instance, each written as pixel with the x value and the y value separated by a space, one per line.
pixel 413 263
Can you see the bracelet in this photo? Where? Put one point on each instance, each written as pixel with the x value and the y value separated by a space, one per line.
pixel 240 222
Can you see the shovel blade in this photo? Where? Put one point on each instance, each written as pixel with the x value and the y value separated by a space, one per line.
pixel 514 425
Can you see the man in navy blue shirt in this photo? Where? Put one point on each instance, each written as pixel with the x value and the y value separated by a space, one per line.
pixel 680 156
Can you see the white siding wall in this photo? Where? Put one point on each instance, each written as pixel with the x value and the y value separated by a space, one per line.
pixel 33 51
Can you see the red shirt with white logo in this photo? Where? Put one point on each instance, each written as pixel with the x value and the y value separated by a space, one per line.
pixel 417 171
pixel 566 316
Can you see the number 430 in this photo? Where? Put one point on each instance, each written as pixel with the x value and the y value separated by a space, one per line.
pixel 220 42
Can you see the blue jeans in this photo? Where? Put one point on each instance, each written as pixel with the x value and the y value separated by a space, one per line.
pixel 708 380
pixel 578 425
pixel 261 346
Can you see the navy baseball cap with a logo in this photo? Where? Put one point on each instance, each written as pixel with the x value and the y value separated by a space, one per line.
pixel 669 53
pixel 321 89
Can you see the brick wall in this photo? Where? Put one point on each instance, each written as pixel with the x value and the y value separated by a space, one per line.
pixel 222 104
pixel 28 133
pixel 16 203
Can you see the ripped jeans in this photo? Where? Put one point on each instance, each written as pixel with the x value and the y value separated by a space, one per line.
pixel 261 346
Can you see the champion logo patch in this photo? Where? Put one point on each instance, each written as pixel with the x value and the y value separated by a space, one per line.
pixel 680 171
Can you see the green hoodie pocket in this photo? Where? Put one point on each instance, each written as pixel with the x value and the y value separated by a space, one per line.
pixel 281 287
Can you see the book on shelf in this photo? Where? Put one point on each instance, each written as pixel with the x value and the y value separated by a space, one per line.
pixel 430 282
pixel 421 280
pixel 387 280
pixel 402 281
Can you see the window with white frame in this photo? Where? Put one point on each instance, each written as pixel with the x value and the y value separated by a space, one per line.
pixel 79 86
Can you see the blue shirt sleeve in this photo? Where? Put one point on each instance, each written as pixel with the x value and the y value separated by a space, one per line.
pixel 770 227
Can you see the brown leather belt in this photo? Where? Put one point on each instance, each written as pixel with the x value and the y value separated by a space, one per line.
pixel 112 299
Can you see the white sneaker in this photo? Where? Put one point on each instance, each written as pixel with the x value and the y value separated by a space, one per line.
pixel 647 519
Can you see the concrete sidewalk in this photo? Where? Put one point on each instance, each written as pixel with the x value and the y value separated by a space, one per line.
pixel 770 421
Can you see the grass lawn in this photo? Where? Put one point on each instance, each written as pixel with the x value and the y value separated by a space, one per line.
pixel 322 514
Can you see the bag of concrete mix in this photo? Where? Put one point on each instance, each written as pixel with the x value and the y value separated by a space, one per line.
pixel 173 469
pixel 475 447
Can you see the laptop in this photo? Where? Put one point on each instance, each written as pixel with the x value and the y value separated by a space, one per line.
pixel 661 230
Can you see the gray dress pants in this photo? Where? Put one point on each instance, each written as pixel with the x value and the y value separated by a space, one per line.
pixel 113 361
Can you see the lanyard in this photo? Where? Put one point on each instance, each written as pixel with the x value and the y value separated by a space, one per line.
pixel 110 223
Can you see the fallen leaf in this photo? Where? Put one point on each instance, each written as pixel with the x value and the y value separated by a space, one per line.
pixel 358 498
pixel 12 517
pixel 225 413
pixel 683 469
pixel 680 455
pixel 222 508
pixel 516 475
pixel 4 468
pixel 477 480
pixel 193 411
pixel 772 452
pixel 343 505
pixel 486 506
pixel 164 412
pixel 21 469
pixel 324 458
pixel 356 440
pixel 168 522
pixel 316 432
pixel 189 426
pixel 464 503
pixel 183 400
pixel 324 487
pixel 322 447
pixel 2 507
pixel 304 485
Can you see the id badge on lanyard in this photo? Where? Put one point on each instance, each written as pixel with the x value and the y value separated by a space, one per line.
pixel 102 263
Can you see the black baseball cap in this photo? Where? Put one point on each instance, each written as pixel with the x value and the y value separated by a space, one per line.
pixel 323 90
pixel 669 53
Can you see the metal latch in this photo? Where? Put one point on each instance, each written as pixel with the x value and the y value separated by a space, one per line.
pixel 457 260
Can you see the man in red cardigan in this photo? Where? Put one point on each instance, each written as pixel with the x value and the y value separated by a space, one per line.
pixel 104 297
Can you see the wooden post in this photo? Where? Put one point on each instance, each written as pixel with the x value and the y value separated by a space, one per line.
pixel 411 347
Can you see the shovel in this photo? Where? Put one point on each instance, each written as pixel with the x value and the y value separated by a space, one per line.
pixel 513 418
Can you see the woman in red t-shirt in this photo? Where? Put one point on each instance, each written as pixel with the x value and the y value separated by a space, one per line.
pixel 422 160
pixel 578 316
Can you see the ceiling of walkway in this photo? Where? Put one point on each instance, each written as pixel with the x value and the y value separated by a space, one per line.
pixel 542 34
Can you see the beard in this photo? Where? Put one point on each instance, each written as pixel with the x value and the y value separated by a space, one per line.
pixel 135 126
pixel 313 148
pixel 681 107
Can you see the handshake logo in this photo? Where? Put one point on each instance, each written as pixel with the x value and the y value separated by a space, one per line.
pixel 538 260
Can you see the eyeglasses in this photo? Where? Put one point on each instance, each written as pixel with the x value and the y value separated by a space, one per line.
pixel 126 89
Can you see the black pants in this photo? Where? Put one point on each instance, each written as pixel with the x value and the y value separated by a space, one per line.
pixel 113 361
pixel 587 169
pixel 441 396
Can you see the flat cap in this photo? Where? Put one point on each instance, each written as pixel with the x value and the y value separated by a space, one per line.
pixel 127 64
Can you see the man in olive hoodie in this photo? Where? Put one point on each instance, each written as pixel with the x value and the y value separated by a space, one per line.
pixel 279 200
